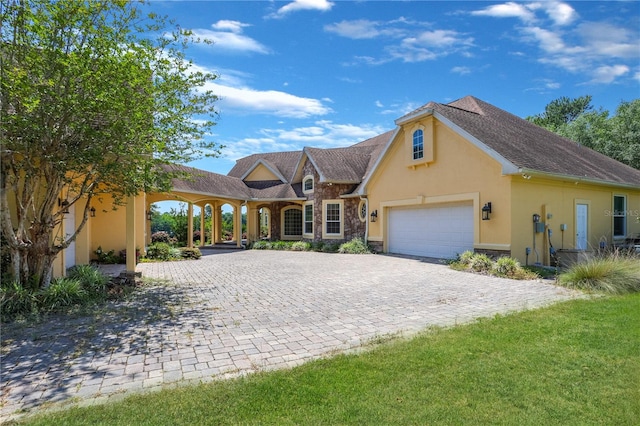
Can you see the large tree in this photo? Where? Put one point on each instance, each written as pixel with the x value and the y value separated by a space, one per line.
pixel 95 97
pixel 616 136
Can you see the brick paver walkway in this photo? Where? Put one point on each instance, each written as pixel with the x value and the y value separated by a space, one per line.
pixel 230 313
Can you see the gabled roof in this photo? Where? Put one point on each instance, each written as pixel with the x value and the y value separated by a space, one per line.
pixel 284 162
pixel 269 165
pixel 526 146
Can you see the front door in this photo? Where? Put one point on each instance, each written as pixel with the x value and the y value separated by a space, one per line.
pixel 581 226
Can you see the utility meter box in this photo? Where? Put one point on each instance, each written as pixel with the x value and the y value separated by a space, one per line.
pixel 539 227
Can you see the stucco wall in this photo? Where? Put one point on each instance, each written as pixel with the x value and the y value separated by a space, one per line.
pixel 556 202
pixel 459 172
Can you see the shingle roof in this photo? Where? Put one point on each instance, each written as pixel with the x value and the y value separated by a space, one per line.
pixel 528 146
pixel 203 182
pixel 284 162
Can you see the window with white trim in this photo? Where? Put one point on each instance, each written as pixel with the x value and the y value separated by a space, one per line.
pixel 362 211
pixel 418 144
pixel 333 219
pixel 292 222
pixel 619 216
pixel 307 184
pixel 308 219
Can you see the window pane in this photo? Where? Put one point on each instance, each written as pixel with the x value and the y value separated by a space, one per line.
pixel 308 219
pixel 333 212
pixel 618 226
pixel 418 146
pixel 618 205
pixel 333 227
pixel 308 184
pixel 293 222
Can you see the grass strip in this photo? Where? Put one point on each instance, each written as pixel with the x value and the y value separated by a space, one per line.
pixel 573 363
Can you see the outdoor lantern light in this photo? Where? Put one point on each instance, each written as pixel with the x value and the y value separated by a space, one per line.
pixel 93 211
pixel 64 204
pixel 374 215
pixel 536 218
pixel 148 214
pixel 486 209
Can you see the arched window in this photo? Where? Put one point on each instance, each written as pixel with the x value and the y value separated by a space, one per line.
pixel 307 184
pixel 418 145
pixel 292 222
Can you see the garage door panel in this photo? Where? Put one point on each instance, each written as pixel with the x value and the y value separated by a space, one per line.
pixel 436 231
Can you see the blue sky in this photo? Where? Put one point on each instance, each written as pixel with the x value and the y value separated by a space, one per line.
pixel 331 73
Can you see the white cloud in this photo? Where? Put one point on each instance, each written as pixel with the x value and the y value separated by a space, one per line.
pixel 406 40
pixel 321 134
pixel 608 40
pixel 298 5
pixel 560 13
pixel 607 74
pixel 379 104
pixel 272 102
pixel 461 70
pixel 227 36
pixel 507 10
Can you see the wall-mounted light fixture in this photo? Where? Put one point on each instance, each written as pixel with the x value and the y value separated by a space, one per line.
pixel 374 215
pixel 148 214
pixel 536 218
pixel 92 211
pixel 64 205
pixel 486 209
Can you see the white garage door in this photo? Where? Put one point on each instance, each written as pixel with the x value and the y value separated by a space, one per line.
pixel 439 231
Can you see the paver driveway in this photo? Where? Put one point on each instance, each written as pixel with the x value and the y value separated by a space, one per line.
pixel 235 312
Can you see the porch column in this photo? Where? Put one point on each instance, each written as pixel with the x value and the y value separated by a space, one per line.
pixel 218 215
pixel 253 224
pixel 131 235
pixel 202 236
pixel 190 225
pixel 237 228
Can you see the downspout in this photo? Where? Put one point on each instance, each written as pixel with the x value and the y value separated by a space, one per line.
pixel 366 220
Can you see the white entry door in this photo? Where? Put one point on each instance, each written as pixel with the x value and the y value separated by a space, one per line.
pixel 582 213
pixel 69 229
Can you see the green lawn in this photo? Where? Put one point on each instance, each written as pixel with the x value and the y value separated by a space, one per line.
pixel 574 363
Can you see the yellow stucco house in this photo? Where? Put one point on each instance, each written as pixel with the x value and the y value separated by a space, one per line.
pixel 451 177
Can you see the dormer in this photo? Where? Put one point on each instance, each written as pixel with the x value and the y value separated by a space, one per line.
pixel 419 142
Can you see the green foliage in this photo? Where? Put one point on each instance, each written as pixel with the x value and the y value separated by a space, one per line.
pixel 505 267
pixel 330 248
pixel 162 237
pixel 261 245
pixel 281 245
pixel 94 282
pixel 161 251
pixel 62 292
pixel 480 262
pixel 614 274
pixel 96 98
pixel 15 299
pixel 107 257
pixel 190 253
pixel 301 246
pixel 355 246
pixel 616 136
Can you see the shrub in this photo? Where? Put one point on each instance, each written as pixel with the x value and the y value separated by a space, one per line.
pixel 160 251
pixel 317 245
pixel 62 292
pixel 16 300
pixel 613 274
pixel 281 245
pixel 465 257
pixel 300 246
pixel 506 267
pixel 480 262
pixel 190 253
pixel 330 248
pixel 162 237
pixel 94 282
pixel 355 246
pixel 261 245
pixel 107 257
